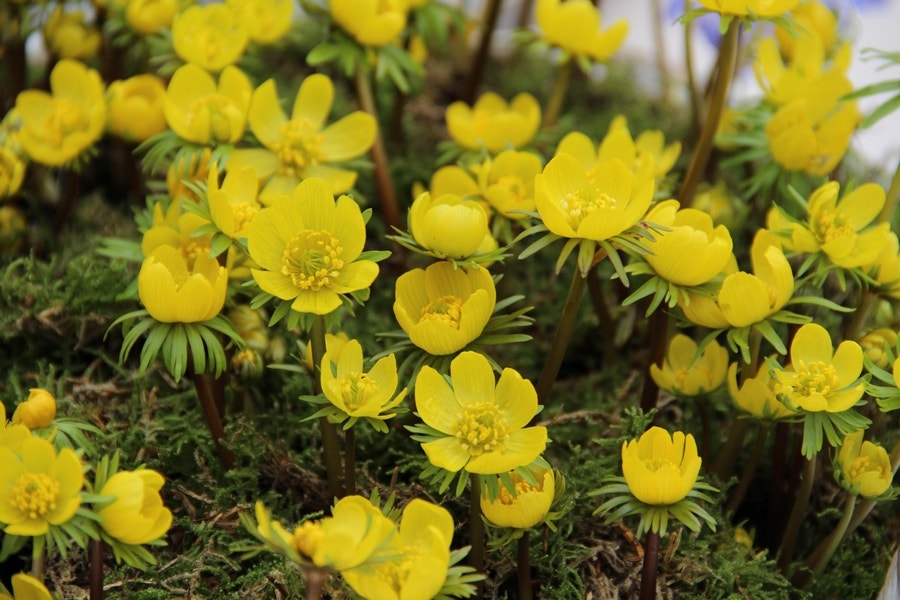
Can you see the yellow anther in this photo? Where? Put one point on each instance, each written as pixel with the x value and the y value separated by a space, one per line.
pixel 446 309
pixel 481 427
pixel 35 494
pixel 312 260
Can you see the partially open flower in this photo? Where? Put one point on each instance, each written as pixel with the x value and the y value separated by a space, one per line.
pixel 493 124
pixel 360 393
pixel 266 21
pixel 150 16
pixel 748 298
pixel 203 112
pixel 137 515
pixel 12 172
pixel 660 469
pixel 528 507
pixel 370 22
pixel 448 225
pixel 37 411
pixel 136 107
pixel 209 35
pixel 682 375
pixel 875 344
pixel 174 291
pixel 68 36
pixel 863 466
pixel 756 395
pixel 574 26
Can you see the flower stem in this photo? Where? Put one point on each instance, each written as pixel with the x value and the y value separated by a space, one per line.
pixel 658 332
pixel 330 449
pixel 386 195
pixel 476 69
pixel 211 414
pixel 38 562
pixel 789 540
pixel 651 566
pixel 604 316
pixel 315 581
pixel 476 524
pixel 699 159
pixel 893 196
pixel 660 48
pixel 96 570
pixel 564 329
pixel 350 461
pixel 737 496
pixel 523 568
pixel 828 546
pixel 560 87
pixel 738 429
pixel 691 80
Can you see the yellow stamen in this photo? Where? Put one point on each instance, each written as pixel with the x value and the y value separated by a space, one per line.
pixel 481 427
pixel 446 309
pixel 298 146
pixel 312 260
pixel 35 494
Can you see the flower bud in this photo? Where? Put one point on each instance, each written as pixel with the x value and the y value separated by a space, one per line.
pixel 37 411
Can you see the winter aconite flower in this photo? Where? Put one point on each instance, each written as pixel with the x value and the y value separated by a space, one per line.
pixel 743 8
pixel 12 172
pixel 660 469
pixel 26 587
pixel 37 411
pixel 266 21
pixel 38 488
pixel 821 378
pixel 307 246
pixel 370 22
pixel 209 35
pixel 528 507
pixel 137 514
pixel 301 146
pixel 68 36
pixel 233 205
pixel 748 298
pixel 150 16
pixel 58 127
pixel 685 374
pixel 135 107
pixel 756 395
pixel 493 124
pixel 203 112
pixel 448 225
pixel 863 466
pixel 359 393
pixel 480 422
pixel 175 290
pixel 574 27
pixel 443 308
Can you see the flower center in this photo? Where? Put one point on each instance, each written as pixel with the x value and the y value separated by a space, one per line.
pixel 815 378
pixel 515 185
pixel 35 494
pixel 446 309
pixel 307 538
pixel 221 113
pixel 578 205
pixel 243 214
pixel 64 118
pixel 522 487
pixel 396 572
pixel 298 146
pixel 481 427
pixel 833 225
pixel 357 389
pixel 657 463
pixel 863 464
pixel 312 259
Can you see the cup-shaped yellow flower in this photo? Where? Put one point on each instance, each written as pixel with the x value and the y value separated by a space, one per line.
pixel 744 8
pixel 68 36
pixel 204 112
pixel 484 420
pixel 875 343
pixel 413 566
pixel 137 515
pixel 693 251
pixel 150 16
pixel 59 126
pixel 176 228
pixel 26 587
pixel 135 107
pixel 38 487
pixel 442 309
pixel 747 298
pixel 334 343
pixel 357 392
pixel 174 291
pixel 209 35
pixel 528 507
pixel 12 172
pixel 507 182
pixel 307 246
pixel 493 124
pixel 573 206
pixel 233 205
pixel 370 22
pixel 448 225
pixel 799 140
pixel 351 535
pixel 574 27
pixel 301 146
pixel 863 467
pixel 37 411
pixel 660 469
pixel 821 378
pixel 266 21
pixel 756 395
pixel 815 19
pixel 681 375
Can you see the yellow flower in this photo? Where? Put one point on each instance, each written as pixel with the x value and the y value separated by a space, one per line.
pixel 68 36
pixel 574 26
pixel 743 8
pixel 176 291
pixel 233 206
pixel 334 343
pixel 135 107
pixel 756 395
pixel 747 298
pixel 58 127
pixel 682 375
pixel 307 246
pixel 863 466
pixel 448 225
pixel 484 421
pixel 302 147
pixel 414 564
pixel 370 22
pixel 572 206
pixel 887 266
pixel 38 488
pixel 443 309
pixel 821 378
pixel 507 182
pixel 150 16
pixel 492 123
pixel 209 35
pixel 693 251
pixel 12 172
pixel 660 469
pixel 12 436
pixel 266 21
pixel 528 507
pixel 26 587
pixel 807 76
pixel 192 168
pixel 137 515
pixel 37 411
pixel 875 343
pixel 354 532
pixel 357 392
pixel 202 112
pixel 804 138
pixel 814 19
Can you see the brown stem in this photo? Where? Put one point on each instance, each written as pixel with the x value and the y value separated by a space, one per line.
pixel 525 10
pixel 330 445
pixel 213 419
pixel 791 531
pixel 661 66
pixel 476 69
pixel 96 570
pixel 651 566
pixel 564 329
pixel 693 96
pixel 737 496
pixel 658 333
pixel 476 524
pixel 315 582
pixel 523 568
pixel 350 461
pixel 560 87
pixel 71 190
pixel 604 316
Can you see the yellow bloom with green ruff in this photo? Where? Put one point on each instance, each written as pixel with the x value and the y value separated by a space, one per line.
pixel 175 290
pixel 371 23
pixel 204 111
pixel 863 467
pixel 356 392
pixel 683 375
pixel 137 515
pixel 574 27
pixel 492 123
pixel 660 469
pixel 209 35
pixel 527 507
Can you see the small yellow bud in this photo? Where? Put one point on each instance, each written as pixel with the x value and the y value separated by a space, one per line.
pixel 37 411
